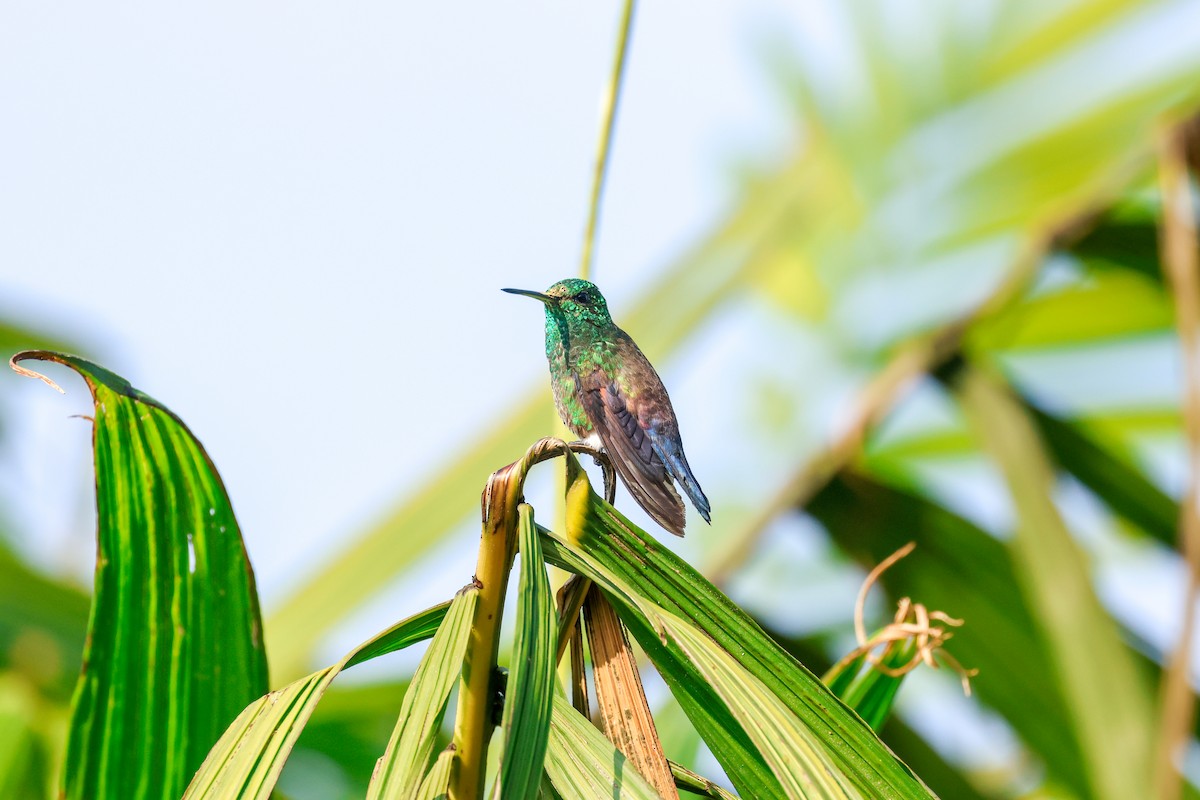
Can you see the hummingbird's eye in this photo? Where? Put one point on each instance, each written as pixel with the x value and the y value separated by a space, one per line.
pixel 586 297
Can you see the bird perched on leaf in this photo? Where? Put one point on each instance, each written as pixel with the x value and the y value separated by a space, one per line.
pixel 608 394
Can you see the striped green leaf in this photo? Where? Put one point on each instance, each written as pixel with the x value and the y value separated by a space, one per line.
pixel 531 680
pixel 938 774
pixel 699 785
pixel 694 634
pixel 805 769
pixel 434 787
pixel 868 690
pixel 712 719
pixel 583 765
pixel 174 648
pixel 400 770
pixel 249 757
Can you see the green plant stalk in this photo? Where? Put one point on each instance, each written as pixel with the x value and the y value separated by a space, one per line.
pixel 609 115
pixel 474 721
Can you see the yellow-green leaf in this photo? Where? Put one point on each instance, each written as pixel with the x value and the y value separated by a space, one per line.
pixel 399 772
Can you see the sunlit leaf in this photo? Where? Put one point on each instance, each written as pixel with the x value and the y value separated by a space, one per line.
pixel 174 648
pixel 801 762
pixel 583 765
pixel 531 678
pixel 403 764
pixel 699 785
pixel 687 626
pixel 1104 306
pixel 434 786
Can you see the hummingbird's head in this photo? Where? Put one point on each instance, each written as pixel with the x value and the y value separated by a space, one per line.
pixel 576 301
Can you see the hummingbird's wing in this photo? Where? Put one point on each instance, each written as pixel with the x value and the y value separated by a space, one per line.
pixel 631 451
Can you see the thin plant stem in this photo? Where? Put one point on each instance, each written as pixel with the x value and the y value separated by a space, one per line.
pixel 1181 263
pixel 475 719
pixel 608 112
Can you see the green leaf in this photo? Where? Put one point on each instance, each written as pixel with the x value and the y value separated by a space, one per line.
pixel 715 723
pixel 546 790
pixel 1103 692
pixel 867 689
pixel 943 779
pixel 804 768
pixel 246 761
pixel 1111 476
pixel 529 697
pixel 436 783
pixel 1106 305
pixel 1126 238
pixel 583 765
pixel 656 593
pixel 713 720
pixel 403 763
pixel 697 784
pixel 174 645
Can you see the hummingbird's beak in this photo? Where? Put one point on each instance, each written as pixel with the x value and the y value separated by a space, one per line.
pixel 545 298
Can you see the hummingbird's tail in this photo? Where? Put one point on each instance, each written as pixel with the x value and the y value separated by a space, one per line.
pixel 670 450
pixel 678 467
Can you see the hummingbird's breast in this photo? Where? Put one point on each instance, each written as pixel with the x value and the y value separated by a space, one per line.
pixel 569 356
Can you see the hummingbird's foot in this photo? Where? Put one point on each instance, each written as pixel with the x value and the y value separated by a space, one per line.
pixel 591 445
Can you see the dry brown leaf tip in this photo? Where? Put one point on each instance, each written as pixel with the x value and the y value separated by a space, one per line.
pixel 29 373
pixel 912 622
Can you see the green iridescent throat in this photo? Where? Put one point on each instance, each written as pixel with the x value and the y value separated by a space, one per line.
pixel 579 339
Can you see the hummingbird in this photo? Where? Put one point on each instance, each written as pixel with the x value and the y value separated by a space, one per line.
pixel 609 395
